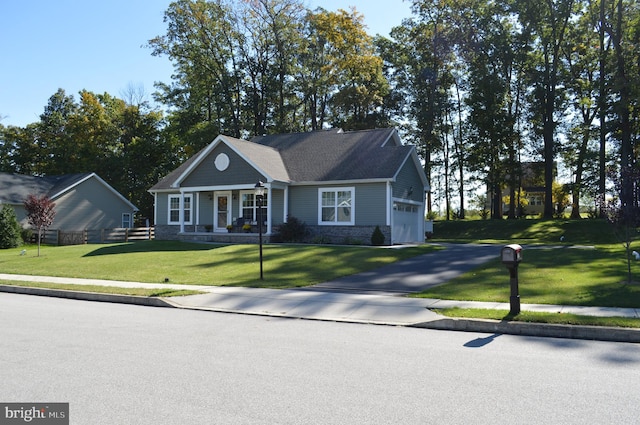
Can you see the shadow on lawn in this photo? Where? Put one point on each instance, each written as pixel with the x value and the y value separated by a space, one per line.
pixel 150 246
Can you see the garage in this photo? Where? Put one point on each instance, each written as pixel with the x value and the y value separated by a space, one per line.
pixel 407 220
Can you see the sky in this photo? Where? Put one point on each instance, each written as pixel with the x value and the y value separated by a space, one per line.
pixel 99 46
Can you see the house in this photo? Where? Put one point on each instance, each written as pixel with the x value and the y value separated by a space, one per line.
pixel 340 184
pixel 532 187
pixel 82 201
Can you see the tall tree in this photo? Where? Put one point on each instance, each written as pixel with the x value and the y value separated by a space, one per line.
pixel 58 150
pixel 582 88
pixel 354 69
pixel 203 41
pixel 548 23
pixel 419 60
pixel 622 26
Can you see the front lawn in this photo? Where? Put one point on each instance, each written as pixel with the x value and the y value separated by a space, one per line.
pixel 581 263
pixel 285 266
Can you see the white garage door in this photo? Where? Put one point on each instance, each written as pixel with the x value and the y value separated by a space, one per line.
pixel 406 219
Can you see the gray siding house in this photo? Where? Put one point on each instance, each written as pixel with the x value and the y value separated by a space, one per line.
pixel 340 184
pixel 83 201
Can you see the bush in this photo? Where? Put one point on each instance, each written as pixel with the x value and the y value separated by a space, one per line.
pixel 377 238
pixel 293 230
pixel 9 228
pixel 27 235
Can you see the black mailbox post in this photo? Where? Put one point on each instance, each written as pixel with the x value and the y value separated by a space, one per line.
pixel 511 256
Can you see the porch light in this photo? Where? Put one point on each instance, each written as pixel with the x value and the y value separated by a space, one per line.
pixel 259 195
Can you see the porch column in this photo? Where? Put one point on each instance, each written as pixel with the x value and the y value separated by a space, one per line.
pixel 285 211
pixel 269 209
pixel 389 203
pixel 181 212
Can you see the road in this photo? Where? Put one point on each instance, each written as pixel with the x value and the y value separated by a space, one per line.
pixel 118 364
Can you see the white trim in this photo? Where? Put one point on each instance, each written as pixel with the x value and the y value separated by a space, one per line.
pixel 341 182
pixel 227 141
pixel 389 199
pixel 255 206
pixel 285 210
pixel 216 195
pixel 352 211
pixel 195 205
pixel 181 196
pixel 130 220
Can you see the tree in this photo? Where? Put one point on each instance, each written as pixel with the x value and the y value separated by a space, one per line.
pixel 625 219
pixel 582 88
pixel 548 23
pixel 40 214
pixel 354 69
pixel 9 228
pixel 57 150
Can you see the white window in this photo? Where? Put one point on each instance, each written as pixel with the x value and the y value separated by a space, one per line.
pixel 126 220
pixel 174 209
pixel 535 200
pixel 336 206
pixel 249 208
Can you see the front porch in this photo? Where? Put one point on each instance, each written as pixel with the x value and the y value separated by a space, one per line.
pixel 201 234
pixel 225 238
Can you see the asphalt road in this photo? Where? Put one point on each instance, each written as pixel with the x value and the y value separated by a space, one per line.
pixel 118 364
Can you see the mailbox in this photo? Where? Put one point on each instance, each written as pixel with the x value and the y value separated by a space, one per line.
pixel 511 254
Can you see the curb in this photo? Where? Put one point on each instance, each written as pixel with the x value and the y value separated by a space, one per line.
pixel 596 333
pixel 86 296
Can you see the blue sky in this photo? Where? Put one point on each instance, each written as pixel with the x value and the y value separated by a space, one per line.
pixel 98 46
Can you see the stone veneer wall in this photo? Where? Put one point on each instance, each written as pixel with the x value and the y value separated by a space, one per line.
pixel 349 235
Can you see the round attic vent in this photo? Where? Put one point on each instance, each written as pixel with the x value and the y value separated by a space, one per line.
pixel 222 162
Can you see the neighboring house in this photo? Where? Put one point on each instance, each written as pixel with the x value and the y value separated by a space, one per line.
pixel 533 188
pixel 340 184
pixel 82 201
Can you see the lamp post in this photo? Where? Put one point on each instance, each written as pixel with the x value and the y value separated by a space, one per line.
pixel 259 195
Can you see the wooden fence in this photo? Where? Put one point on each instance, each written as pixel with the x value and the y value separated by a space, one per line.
pixel 63 237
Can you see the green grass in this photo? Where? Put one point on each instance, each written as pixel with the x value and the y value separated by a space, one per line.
pixel 535 317
pixel 140 292
pixel 587 268
pixel 285 266
pixel 562 276
pixel 531 231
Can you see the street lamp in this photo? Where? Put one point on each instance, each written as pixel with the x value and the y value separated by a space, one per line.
pixel 259 195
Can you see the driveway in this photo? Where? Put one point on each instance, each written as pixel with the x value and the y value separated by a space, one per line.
pixel 415 274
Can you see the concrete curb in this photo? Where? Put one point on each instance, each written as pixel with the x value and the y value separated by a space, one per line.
pixel 597 333
pixel 87 296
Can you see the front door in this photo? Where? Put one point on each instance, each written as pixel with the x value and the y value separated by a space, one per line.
pixel 222 211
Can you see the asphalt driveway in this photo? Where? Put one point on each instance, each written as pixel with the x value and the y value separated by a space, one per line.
pixel 415 274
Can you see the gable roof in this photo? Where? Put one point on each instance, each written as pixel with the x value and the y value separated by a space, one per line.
pixel 312 157
pixel 333 155
pixel 14 188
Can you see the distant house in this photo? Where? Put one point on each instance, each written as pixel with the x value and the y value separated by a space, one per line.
pixel 340 184
pixel 83 201
pixel 532 186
